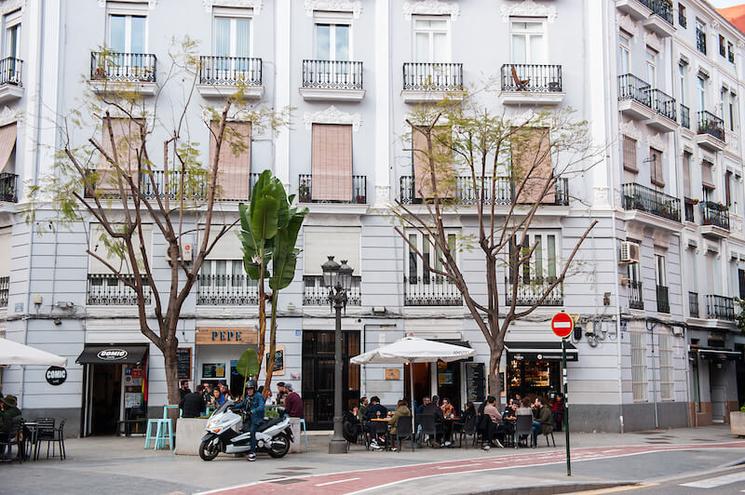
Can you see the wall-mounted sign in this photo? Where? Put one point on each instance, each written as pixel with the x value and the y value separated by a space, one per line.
pixel 112 354
pixel 213 370
pixel 55 375
pixel 279 361
pixel 392 373
pixel 184 363
pixel 227 335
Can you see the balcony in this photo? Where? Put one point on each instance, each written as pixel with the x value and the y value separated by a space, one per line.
pixel 466 194
pixel 661 20
pixel 334 80
pixel 641 198
pixel 693 304
pixel 331 190
pixel 4 291
pixel 226 290
pixel 130 72
pixel 634 97
pixel 663 299
pixel 8 188
pixel 665 108
pixel 532 84
pixel 431 81
pixel 685 116
pixel 431 290
pixel 530 293
pixel 710 132
pixel 225 76
pixel 315 293
pixel 108 290
pixel 714 220
pixel 636 9
pixel 636 295
pixel 11 83
pixel 720 308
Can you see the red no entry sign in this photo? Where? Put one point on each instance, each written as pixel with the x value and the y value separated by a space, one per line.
pixel 562 325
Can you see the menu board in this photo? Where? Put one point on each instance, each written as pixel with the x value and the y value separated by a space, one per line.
pixel 213 370
pixel 184 363
pixel 279 361
pixel 475 382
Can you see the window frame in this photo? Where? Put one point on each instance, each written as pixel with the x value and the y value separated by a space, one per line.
pixel 233 15
pixel 529 58
pixel 624 49
pixel 639 379
pixel 421 269
pixel 128 15
pixel 666 366
pixel 12 23
pixel 448 57
pixel 650 62
pixel 333 23
pixel 660 270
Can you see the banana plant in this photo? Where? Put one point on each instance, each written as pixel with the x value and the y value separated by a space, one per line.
pixel 248 366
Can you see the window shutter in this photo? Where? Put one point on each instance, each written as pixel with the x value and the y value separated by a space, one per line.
pixel 727 188
pixel 707 176
pixel 331 163
pixel 629 154
pixel 126 134
pixel 656 167
pixel 531 164
pixel 441 161
pixel 686 174
pixel 234 167
pixel 7 144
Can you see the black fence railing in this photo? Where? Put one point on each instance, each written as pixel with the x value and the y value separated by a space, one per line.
pixel 357 194
pixel 11 70
pixel 226 290
pixel 432 290
pixel 663 9
pixel 689 208
pixel 720 307
pixel 531 293
pixel 230 71
pixel 693 311
pixel 663 104
pixel 499 191
pixel 332 74
pixel 663 299
pixel 315 292
pixel 108 290
pixel 641 198
pixel 714 214
pixel 701 40
pixel 685 116
pixel 631 87
pixel 636 295
pixel 123 67
pixel 4 290
pixel 710 124
pixel 8 187
pixel 433 76
pixel 532 78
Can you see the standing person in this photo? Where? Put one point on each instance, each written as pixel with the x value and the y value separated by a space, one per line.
pixel 207 392
pixel 293 403
pixel 253 404
pixel 557 408
pixel 192 404
pixel 184 389
pixel 9 413
pixel 281 393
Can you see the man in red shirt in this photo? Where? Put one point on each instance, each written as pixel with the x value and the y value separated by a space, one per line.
pixel 293 403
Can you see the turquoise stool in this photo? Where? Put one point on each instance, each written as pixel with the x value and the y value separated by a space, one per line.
pixel 163 430
pixel 304 432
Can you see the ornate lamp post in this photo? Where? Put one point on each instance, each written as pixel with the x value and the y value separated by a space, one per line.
pixel 338 278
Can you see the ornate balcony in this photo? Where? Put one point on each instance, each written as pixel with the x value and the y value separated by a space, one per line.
pixel 223 76
pixel 693 311
pixel 336 80
pixel 432 81
pixel 665 118
pixel 115 71
pixel 315 293
pixel 720 308
pixel 530 293
pixel 8 187
pixel 108 290
pixel 661 20
pixel 636 9
pixel 11 82
pixel 4 290
pixel 432 290
pixel 357 194
pixel 710 132
pixel 714 219
pixel 634 97
pixel 532 84
pixel 226 290
pixel 641 198
pixel 636 295
pixel 663 299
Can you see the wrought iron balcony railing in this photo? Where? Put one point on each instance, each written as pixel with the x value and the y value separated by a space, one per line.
pixel 663 299
pixel 332 74
pixel 720 307
pixel 710 124
pixel 636 295
pixel 356 195
pixel 693 311
pixel 631 87
pixel 685 116
pixel 108 290
pixel 11 71
pixel 4 290
pixel 663 104
pixel 701 40
pixel 431 290
pixel 315 293
pixel 529 294
pixel 532 78
pixel 714 214
pixel 230 71
pixel 641 198
pixel 8 187
pixel 123 67
pixel 433 76
pixel 226 290
pixel 499 191
pixel 662 9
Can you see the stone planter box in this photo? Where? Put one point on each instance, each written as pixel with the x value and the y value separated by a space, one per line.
pixel 737 423
pixel 297 445
pixel 189 432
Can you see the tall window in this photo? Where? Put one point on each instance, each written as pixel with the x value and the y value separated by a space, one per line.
pixel 638 363
pixel 333 41
pixel 624 54
pixel 722 46
pixel 528 41
pixel 700 36
pixel 667 385
pixel 660 272
pixel 12 40
pixel 701 89
pixel 431 39
pixel 728 188
pixel 543 262
pixel 225 273
pixel 651 62
pixel 730 52
pixel 682 19
pixel 683 80
pixel 127 33
pixel 657 176
pixel 232 36
pixel 419 269
pixel 629 154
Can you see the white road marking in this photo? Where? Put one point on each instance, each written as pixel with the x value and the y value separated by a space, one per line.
pixel 718 481
pixel 337 481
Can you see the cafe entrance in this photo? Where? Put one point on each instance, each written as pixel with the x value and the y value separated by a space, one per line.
pixel 218 350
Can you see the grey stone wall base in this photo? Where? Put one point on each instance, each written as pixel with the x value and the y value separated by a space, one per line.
pixel 70 415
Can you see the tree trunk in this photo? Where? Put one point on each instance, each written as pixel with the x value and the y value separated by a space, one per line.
pixel 170 357
pixel 272 341
pixel 495 356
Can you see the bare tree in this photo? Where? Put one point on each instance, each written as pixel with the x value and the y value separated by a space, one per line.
pixel 110 179
pixel 509 169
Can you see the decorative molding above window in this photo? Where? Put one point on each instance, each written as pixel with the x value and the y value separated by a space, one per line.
pixel 655 141
pixel 8 116
pixel 653 41
pixel 627 24
pixel 11 6
pixel 151 4
pixel 528 8
pixel 332 115
pixel 629 129
pixel 256 5
pixel 353 6
pixel 431 7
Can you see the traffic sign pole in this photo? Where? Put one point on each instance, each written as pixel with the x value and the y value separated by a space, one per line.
pixel 566 402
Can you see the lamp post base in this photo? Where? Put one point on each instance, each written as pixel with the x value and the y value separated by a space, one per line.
pixel 337 446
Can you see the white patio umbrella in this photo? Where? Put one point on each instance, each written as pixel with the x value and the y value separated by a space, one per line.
pixel 12 352
pixel 411 350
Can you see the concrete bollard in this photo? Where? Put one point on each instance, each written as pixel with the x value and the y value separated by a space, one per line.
pixel 189 433
pixel 297 445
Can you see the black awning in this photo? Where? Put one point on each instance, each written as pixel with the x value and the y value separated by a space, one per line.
pixel 461 343
pixel 546 350
pixel 717 353
pixel 112 354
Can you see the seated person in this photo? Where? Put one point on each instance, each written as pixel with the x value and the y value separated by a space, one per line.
pixel 402 411
pixel 493 425
pixel 375 409
pixel 544 419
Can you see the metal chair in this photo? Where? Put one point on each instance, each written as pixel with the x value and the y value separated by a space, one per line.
pixel 404 430
pixel 44 433
pixel 469 428
pixel 524 427
pixel 428 426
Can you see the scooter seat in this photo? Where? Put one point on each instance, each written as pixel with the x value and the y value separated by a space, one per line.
pixel 268 424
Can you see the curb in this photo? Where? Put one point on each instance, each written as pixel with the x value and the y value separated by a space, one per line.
pixel 556 489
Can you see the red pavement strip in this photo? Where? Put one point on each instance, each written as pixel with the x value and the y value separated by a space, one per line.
pixel 360 481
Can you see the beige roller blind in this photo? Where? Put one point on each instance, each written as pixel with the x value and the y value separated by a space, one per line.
pixel 5 252
pixel 7 145
pixel 531 158
pixel 441 161
pixel 656 168
pixel 99 246
pixel 234 168
pixel 687 174
pixel 320 242
pixel 707 174
pixel 629 154
pixel 228 247
pixel 331 163
pixel 126 134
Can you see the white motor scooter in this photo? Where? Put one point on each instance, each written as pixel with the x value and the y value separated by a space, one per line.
pixel 229 432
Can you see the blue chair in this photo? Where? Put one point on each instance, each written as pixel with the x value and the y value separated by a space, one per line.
pixel 163 430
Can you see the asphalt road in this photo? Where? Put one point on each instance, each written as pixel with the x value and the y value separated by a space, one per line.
pixel 728 481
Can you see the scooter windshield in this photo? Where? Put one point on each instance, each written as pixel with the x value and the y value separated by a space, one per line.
pixel 228 403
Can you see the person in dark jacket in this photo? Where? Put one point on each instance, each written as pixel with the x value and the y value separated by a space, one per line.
pixel 375 409
pixel 193 404
pixel 293 403
pixel 253 404
pixel 9 413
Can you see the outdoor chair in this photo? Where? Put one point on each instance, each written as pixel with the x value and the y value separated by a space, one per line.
pixel 524 428
pixel 547 430
pixel 376 429
pixel 15 438
pixel 469 429
pixel 520 84
pixel 44 433
pixel 428 427
pixel 404 430
pixel 58 438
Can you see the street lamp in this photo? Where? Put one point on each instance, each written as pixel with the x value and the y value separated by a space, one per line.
pixel 338 278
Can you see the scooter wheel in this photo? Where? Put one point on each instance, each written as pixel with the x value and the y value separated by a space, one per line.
pixel 279 446
pixel 209 449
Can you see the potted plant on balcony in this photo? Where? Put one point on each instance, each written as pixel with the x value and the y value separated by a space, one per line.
pixel 303 192
pixel 737 422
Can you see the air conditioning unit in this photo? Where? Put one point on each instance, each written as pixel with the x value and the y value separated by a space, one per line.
pixel 629 252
